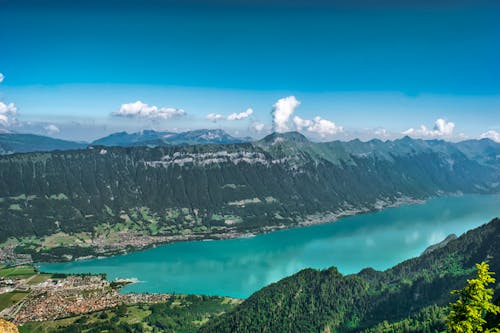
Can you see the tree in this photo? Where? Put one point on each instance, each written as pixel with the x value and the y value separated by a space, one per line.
pixel 467 314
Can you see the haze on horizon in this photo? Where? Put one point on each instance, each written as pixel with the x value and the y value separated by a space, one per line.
pixel 331 70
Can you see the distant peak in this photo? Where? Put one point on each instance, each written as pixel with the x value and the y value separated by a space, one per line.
pixel 287 136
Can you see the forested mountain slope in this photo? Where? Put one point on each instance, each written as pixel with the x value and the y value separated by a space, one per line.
pixel 211 190
pixel 410 297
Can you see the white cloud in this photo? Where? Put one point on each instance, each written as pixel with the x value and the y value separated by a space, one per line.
pixel 52 129
pixel 1 77
pixel 241 115
pixel 381 132
pixel 282 110
pixel 441 128
pixel 7 113
pixel 324 127
pixel 491 134
pixel 318 125
pixel 257 127
pixel 301 123
pixel 215 117
pixel 142 110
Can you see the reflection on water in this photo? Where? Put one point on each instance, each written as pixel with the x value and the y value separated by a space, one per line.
pixel 239 267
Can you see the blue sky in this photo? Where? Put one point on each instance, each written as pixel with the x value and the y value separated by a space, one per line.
pixel 372 71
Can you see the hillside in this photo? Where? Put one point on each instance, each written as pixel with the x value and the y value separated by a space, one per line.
pixel 106 199
pixel 409 297
pixel 23 143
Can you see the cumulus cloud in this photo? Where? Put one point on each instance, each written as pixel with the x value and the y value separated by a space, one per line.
pixel 301 123
pixel 257 127
pixel 1 77
pixel 282 110
pixel 52 129
pixel 142 110
pixel 8 113
pixel 317 125
pixel 491 134
pixel 441 128
pixel 215 117
pixel 241 115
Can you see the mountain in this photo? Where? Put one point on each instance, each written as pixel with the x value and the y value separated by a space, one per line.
pixel 410 297
pixel 21 143
pixel 203 136
pixel 112 197
pixel 154 138
pixel 133 139
pixel 485 150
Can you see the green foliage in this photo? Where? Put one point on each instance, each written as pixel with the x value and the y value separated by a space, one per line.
pixel 430 319
pixel 468 313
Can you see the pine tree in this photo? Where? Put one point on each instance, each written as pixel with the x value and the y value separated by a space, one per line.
pixel 474 303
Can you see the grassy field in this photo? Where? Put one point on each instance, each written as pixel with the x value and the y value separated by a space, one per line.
pixel 9 299
pixel 40 278
pixel 20 272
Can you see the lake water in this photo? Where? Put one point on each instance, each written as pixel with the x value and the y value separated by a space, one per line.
pixel 238 267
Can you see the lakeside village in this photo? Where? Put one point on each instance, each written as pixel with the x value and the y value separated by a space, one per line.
pixel 27 295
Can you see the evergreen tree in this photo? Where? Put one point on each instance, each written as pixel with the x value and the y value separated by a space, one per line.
pixel 467 314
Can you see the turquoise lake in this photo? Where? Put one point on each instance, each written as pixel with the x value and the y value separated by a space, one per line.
pixel 238 267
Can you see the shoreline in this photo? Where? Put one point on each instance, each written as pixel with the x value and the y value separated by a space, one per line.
pixel 309 220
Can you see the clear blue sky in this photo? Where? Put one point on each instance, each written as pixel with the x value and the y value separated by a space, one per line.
pixel 364 67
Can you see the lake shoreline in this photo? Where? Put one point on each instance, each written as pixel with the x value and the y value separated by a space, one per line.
pixel 238 267
pixel 150 241
pixel 309 220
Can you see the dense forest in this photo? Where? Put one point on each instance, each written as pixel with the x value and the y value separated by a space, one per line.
pixel 410 297
pixel 281 181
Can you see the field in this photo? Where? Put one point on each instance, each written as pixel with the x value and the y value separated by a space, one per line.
pixel 40 278
pixel 9 299
pixel 20 272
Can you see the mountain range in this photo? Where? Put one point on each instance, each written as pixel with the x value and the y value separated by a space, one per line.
pixel 96 195
pixel 22 143
pixel 11 143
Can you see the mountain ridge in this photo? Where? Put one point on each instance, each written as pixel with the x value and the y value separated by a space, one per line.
pixel 171 193
pixel 11 142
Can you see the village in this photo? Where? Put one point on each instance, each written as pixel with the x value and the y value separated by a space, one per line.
pixel 42 297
